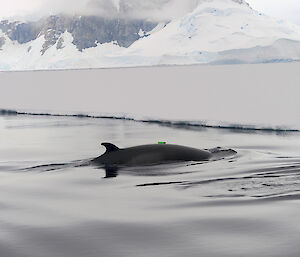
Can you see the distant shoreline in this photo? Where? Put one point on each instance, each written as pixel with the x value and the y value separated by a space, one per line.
pixel 152 66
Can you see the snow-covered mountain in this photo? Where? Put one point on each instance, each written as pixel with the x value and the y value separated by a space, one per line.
pixel 217 31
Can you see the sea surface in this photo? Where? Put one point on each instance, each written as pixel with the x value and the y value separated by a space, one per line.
pixel 54 205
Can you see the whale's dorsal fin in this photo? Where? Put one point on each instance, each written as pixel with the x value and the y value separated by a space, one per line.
pixel 110 147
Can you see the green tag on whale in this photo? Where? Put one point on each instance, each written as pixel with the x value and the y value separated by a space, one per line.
pixel 161 143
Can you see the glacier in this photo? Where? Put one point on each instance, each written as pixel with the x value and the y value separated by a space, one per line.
pixel 216 32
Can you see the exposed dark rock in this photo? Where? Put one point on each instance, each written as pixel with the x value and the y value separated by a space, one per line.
pixel 2 42
pixel 60 44
pixel 21 32
pixel 87 31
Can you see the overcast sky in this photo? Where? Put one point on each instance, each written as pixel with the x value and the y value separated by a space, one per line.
pixel 286 9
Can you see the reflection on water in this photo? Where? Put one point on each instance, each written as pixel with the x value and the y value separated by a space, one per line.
pixel 53 203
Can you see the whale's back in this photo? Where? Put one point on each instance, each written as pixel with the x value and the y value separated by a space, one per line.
pixel 152 154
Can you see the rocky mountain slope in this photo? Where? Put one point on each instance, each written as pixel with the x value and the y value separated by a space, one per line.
pixel 217 31
pixel 86 31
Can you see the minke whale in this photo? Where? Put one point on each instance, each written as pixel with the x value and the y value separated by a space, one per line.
pixel 152 154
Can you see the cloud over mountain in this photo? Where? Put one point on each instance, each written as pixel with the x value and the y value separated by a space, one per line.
pixel 157 10
pixel 154 9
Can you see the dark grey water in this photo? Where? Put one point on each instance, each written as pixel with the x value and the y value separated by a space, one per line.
pixel 246 205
